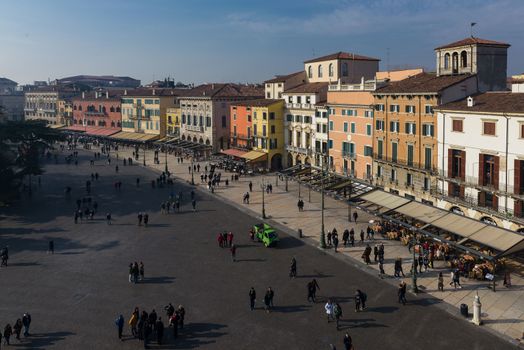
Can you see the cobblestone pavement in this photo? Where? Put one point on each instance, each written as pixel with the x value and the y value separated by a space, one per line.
pixel 75 294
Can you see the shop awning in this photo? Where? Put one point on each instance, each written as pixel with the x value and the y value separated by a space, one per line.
pixel 253 156
pixel 134 136
pixel 503 241
pixel 103 132
pixel 56 126
pixel 233 152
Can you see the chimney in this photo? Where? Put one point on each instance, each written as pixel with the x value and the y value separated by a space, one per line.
pixel 83 95
pixel 153 92
pixel 471 103
pixel 125 92
pixel 107 94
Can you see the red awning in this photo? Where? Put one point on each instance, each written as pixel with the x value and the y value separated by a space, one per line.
pixel 103 131
pixel 233 152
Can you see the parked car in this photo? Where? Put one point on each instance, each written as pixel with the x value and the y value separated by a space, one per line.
pixel 264 233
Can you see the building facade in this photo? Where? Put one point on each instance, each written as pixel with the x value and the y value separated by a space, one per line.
pixel 173 121
pixel 481 158
pixel 42 104
pixel 344 66
pixel 12 106
pixel 205 112
pixel 274 88
pixel 97 108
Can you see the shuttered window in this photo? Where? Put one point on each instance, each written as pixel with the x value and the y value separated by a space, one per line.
pixel 457 125
pixel 489 128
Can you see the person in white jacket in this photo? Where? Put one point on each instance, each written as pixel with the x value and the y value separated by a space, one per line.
pixel 329 310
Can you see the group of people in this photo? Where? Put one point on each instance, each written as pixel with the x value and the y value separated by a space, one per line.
pixel 21 323
pixel 149 326
pixel 225 240
pixel 268 299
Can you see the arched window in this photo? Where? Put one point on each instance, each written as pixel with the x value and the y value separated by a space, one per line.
pixel 320 71
pixel 344 69
pixel 331 73
pixel 310 72
pixel 118 124
pixel 224 121
pixel 112 124
pixel 455 62
pixel 112 109
pixel 118 109
pixel 446 61
pixel 463 59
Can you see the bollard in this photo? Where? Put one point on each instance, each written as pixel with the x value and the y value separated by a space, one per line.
pixel 477 311
pixel 299 233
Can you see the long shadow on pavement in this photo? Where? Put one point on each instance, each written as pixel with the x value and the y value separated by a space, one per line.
pixel 43 340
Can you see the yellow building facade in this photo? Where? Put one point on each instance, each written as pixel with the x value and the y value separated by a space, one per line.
pixel 173 121
pixel 268 130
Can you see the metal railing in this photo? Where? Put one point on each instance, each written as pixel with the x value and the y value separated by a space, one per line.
pixel 405 163
pixel 194 128
pixel 473 181
pixel 349 155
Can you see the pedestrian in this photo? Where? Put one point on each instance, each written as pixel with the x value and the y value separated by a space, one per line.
pixel 193 204
pixel 140 217
pixel 26 321
pixel 355 216
pixel 120 326
pixel 358 302
pixel 250 186
pixel 141 271
pixel 108 218
pixel 230 238
pixel 337 312
pixel 366 254
pixel 7 334
pixel 252 298
pixel 17 329
pixel 352 237
pixel 267 300
pixel 381 266
pixel 348 342
pixel 293 268
pixel 440 282
pixel 233 252
pixel 335 242
pixel 159 327
pixel 402 293
pixel 329 238
pixel 375 253
pixel 345 237
pixel 146 219
pixel 455 278
pixel 116 169
pixel 363 299
pixel 220 240
pixel 329 310
pixel 181 315
pixel 51 249
pixel 362 237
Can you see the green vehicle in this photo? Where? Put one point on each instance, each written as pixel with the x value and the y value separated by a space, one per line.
pixel 265 234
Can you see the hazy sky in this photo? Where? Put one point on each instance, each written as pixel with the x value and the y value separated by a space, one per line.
pixel 237 40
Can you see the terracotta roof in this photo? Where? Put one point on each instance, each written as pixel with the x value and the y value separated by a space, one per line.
pixel 257 103
pixel 494 102
pixel 474 41
pixel 342 56
pixel 226 90
pixel 155 92
pixel 283 78
pixel 308 88
pixel 423 83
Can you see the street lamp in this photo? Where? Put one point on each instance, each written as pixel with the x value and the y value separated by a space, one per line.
pixel 263 188
pixel 414 287
pixel 322 232
pixel 298 187
pixel 349 196
pixel 144 154
pixel 192 171
pixel 165 152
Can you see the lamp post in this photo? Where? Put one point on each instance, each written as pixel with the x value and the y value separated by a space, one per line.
pixel 349 196
pixel 263 188
pixel 299 187
pixel 192 171
pixel 322 232
pixel 144 154
pixel 165 153
pixel 414 287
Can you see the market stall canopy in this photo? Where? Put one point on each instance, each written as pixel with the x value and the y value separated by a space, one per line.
pixel 503 241
pixel 134 136
pixel 233 152
pixel 252 156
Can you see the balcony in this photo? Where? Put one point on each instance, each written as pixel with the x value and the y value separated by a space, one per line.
pixel 349 155
pixel 194 128
pixel 29 109
pixel 364 86
pixel 404 163
pixel 300 105
pixel 306 151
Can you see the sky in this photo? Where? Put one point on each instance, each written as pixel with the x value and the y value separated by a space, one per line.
pixel 196 41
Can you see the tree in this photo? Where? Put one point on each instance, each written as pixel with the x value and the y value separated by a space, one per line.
pixel 21 146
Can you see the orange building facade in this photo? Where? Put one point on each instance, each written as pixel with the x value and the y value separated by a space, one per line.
pixel 241 125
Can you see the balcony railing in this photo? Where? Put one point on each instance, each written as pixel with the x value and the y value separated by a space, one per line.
pixel 404 163
pixel 300 105
pixel 194 128
pixel 349 155
pixel 307 151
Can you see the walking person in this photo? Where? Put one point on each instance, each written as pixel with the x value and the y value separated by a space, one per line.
pixel 233 250
pixel 193 204
pixel 329 310
pixel 8 331
pixel 141 271
pixel 337 312
pixel 133 323
pixel 250 186
pixel 335 242
pixel 146 219
pixel 181 315
pixel 159 328
pixel 440 282
pixel 348 342
pixel 108 218
pixel 17 328
pixel 355 216
pixel 252 298
pixel 26 321
pixel 140 217
pixel 293 268
pixel 51 249
pixel 402 293
pixel 120 326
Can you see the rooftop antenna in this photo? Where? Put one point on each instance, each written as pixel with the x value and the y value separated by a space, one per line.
pixel 471 28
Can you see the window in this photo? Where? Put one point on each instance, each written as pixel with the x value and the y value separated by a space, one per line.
pixel 299 99
pixel 428 130
pixel 289 118
pixel 379 170
pixel 446 61
pixel 330 143
pixel 394 108
pixel 249 118
pixel 368 129
pixel 427 184
pixel 463 59
pixel 290 99
pixel 410 109
pixel 394 152
pixel 379 125
pixel 411 128
pixel 488 128
pixel 331 73
pixel 268 95
pixel 368 114
pixel 427 158
pixel 457 125
pixel 345 127
pixel 379 107
pixel 183 118
pixel 394 126
pixel 380 146
pixel 410 155
pixel 393 176
pixel 344 69
pixel 148 101
pixel 353 128
pixel 368 151
pixel 255 130
pixel 428 109
pixel 309 73
pixel 271 115
pixel 409 179
pixel 331 125
pixel 224 121
pixel 264 130
pixel 208 122
pixel 264 115
pixel 298 119
pixel 320 71
pixel 522 131
pixel 272 129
